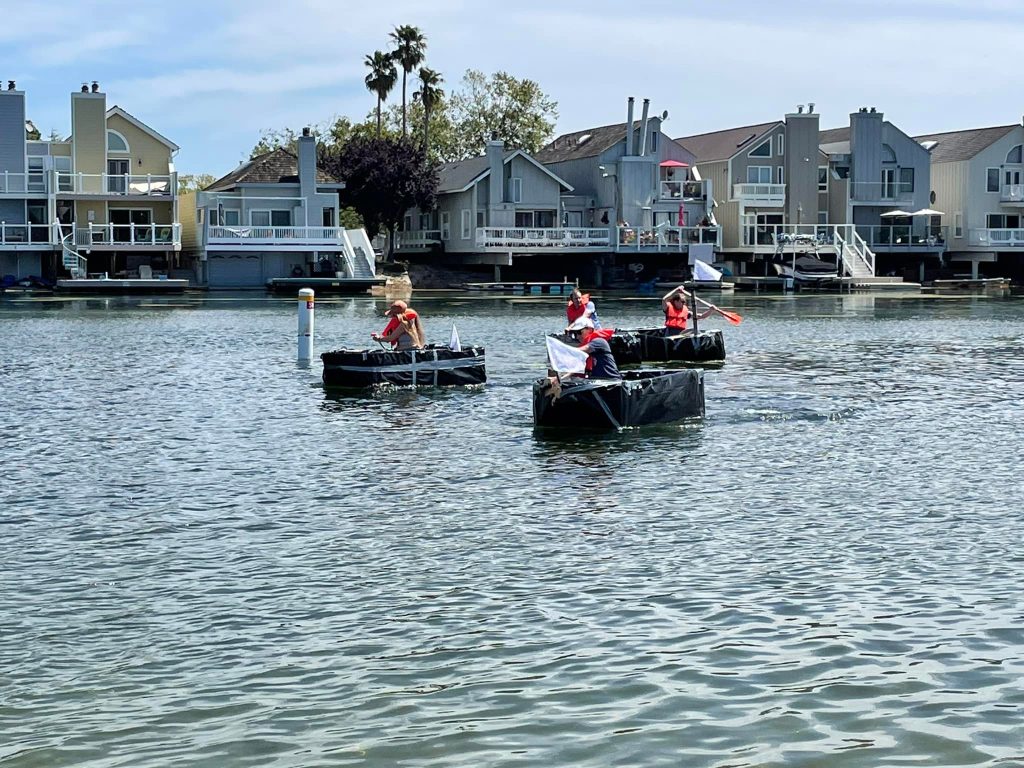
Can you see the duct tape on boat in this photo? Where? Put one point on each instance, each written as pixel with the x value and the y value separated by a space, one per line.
pixel 422 367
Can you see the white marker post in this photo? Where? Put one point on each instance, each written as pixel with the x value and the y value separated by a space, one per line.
pixel 305 325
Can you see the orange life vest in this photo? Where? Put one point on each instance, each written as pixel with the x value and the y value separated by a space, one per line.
pixel 409 314
pixel 573 312
pixel 676 318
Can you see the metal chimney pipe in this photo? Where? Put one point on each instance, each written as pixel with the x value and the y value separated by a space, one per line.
pixel 643 129
pixel 95 87
pixel 799 109
pixel 629 126
pixel 810 107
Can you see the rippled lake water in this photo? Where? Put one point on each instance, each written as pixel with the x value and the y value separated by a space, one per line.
pixel 207 561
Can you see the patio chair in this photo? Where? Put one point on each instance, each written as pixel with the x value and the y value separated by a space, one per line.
pixel 145 272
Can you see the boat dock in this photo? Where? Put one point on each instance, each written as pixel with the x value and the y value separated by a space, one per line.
pixel 123 286
pixel 324 286
pixel 534 288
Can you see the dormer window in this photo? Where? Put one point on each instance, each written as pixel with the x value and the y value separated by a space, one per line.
pixel 1014 155
pixel 888 156
pixel 116 142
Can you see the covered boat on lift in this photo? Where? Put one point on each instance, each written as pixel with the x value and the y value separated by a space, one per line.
pixel 640 398
pixel 435 365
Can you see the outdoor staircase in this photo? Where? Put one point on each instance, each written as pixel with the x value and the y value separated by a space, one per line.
pixel 856 259
pixel 359 254
pixel 74 262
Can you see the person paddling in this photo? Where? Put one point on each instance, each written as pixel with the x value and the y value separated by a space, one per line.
pixel 404 330
pixel 677 314
pixel 600 362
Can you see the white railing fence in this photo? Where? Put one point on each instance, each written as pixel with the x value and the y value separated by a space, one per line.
pixel 682 190
pixel 24 234
pixel 665 237
pixel 996 238
pixel 857 258
pixel 117 184
pixel 74 262
pixel 764 193
pixel 903 236
pixel 224 234
pixel 21 183
pixel 561 237
pixel 127 234
pixel 1012 193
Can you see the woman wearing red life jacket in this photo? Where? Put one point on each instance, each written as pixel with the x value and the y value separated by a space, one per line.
pixel 404 330
pixel 677 314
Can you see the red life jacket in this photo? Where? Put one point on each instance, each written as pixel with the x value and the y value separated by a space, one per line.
pixel 409 314
pixel 573 312
pixel 676 318
pixel 589 334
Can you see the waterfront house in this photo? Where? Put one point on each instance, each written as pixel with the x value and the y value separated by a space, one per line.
pixel 274 216
pixel 104 200
pixel 978 182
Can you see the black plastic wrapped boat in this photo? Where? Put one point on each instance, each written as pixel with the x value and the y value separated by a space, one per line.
pixel 432 366
pixel 640 398
pixel 651 345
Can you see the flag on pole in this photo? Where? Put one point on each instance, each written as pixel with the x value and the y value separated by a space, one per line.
pixel 565 359
pixel 704 271
pixel 454 344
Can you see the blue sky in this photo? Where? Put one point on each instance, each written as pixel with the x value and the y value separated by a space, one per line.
pixel 210 75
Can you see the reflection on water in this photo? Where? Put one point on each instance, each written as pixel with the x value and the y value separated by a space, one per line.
pixel 208 559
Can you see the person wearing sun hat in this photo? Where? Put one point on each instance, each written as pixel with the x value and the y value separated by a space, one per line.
pixel 404 329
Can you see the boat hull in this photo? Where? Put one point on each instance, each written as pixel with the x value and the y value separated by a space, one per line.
pixel 640 398
pixel 433 366
pixel 650 345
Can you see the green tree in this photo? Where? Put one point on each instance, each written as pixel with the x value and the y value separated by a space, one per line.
pixel 383 179
pixel 429 95
pixel 518 111
pixel 193 182
pixel 382 78
pixel 410 50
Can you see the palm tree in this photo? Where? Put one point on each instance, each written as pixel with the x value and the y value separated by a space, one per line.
pixel 410 50
pixel 382 78
pixel 429 94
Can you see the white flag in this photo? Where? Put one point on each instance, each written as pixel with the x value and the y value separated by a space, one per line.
pixel 455 345
pixel 566 359
pixel 704 271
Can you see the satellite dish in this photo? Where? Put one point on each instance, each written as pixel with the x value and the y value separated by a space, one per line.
pixel 664 115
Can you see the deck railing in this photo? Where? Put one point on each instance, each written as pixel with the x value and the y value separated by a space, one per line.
pixel 682 190
pixel 129 185
pixel 128 234
pixel 543 237
pixel 25 234
pixel 765 194
pixel 275 235
pixel 423 238
pixel 665 237
pixel 909 236
pixel 23 183
pixel 1012 193
pixel 996 238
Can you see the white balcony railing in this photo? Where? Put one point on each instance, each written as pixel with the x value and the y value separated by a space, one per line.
pixel 25 234
pixel 996 238
pixel 23 183
pixel 423 238
pixel 275 235
pixel 125 184
pixel 762 194
pixel 1012 193
pixel 897 237
pixel 682 190
pixel 550 237
pixel 666 238
pixel 881 191
pixel 162 235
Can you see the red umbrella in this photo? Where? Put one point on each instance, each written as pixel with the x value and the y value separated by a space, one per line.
pixel 673 164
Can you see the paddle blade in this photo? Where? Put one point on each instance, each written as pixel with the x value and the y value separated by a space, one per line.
pixel 732 317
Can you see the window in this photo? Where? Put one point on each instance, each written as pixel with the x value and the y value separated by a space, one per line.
pixel 407 223
pixel 281 218
pixel 232 217
pixel 481 218
pixel 116 142
pixel 327 216
pixel 269 218
pixel 888 156
pixel 63 167
pixel 524 218
pixel 781 175
pixel 654 141
pixel 1015 155
pixel 446 225
pixel 759 174
pixel 823 217
pixel 823 178
pixel 762 151
pixel 906 180
pixel 992 180
pixel 515 190
pixel 958 224
pixel 424 221
pixel 782 144
pixel 1003 221
pixel 36 175
pixel 843 171
pixel 259 218
pixel 200 215
pixel 466 223
pixel 545 219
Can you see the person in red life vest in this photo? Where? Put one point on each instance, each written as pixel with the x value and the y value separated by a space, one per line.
pixel 404 330
pixel 677 314
pixel 579 306
pixel 600 360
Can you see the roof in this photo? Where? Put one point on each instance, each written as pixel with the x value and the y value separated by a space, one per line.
pixel 461 175
pixel 721 145
pixel 279 166
pixel 834 135
pixel 116 110
pixel 963 145
pixel 586 143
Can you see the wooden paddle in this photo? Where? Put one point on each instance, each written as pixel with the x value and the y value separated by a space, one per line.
pixel 732 317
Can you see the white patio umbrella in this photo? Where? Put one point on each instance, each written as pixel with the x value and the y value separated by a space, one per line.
pixel 895 214
pixel 926 212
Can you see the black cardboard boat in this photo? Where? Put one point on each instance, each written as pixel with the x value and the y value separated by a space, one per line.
pixel 433 366
pixel 639 398
pixel 651 345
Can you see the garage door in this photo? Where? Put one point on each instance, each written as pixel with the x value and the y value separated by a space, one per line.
pixel 235 270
